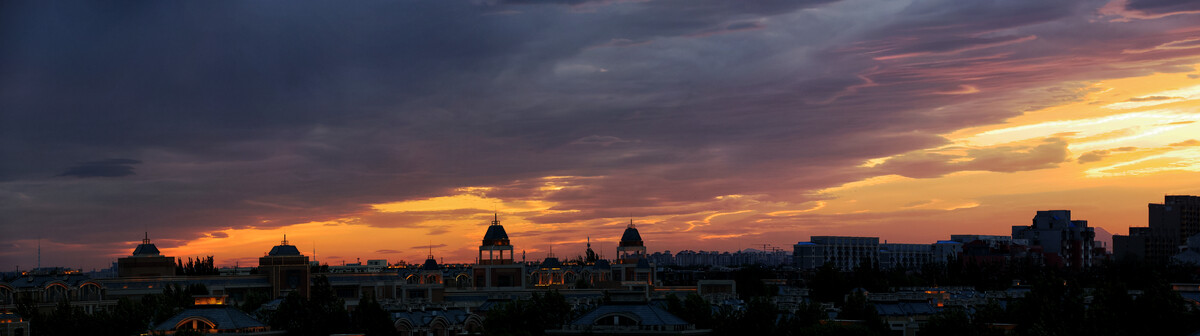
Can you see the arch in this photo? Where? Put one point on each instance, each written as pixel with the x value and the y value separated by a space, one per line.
pixel 462 280
pixel 569 278
pixel 403 326
pixel 617 319
pixel 534 278
pixel 195 323
pixel 55 291
pixel 432 279
pixel 91 291
pixel 91 282
pixel 56 283
pixel 440 326
pixel 473 325
pixel 6 294
pixel 412 279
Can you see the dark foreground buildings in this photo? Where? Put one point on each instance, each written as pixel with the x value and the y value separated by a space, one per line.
pixel 424 299
pixel 1170 225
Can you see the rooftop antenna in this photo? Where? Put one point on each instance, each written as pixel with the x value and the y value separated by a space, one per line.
pixel 146 239
pixel 39 264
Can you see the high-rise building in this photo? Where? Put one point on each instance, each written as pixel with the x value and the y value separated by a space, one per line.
pixel 1062 241
pixel 906 256
pixel 1170 225
pixel 845 253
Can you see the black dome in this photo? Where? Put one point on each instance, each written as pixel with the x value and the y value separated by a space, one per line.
pixel 430 265
pixel 146 249
pixel 631 237
pixel 284 250
pixel 495 234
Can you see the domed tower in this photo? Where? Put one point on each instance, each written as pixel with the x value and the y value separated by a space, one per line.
pixel 146 261
pixel 495 267
pixel 550 272
pixel 495 242
pixel 287 269
pixel 632 267
pixel 631 247
pixel 430 272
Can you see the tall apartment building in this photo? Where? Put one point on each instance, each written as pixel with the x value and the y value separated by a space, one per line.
pixel 910 256
pixel 846 253
pixel 1062 241
pixel 1170 225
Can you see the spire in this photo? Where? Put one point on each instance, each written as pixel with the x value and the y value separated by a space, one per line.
pixel 496 218
pixel 146 240
pixel 589 240
pixel 284 240
pixel 631 222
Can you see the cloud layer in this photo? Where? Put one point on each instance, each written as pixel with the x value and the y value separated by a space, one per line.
pixel 253 115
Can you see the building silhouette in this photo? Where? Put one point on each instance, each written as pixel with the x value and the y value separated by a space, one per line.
pixel 497 269
pixel 146 260
pixel 286 269
pixel 1170 224
pixel 1061 240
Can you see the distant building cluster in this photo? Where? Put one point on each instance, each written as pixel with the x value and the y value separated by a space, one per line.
pixel 774 257
pixel 612 295
pixel 1171 233
pixel 1052 239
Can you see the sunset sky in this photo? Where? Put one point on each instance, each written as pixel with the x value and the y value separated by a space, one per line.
pixel 376 129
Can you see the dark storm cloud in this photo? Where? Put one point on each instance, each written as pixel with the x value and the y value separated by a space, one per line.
pixel 422 247
pixel 105 168
pixel 1005 159
pixel 250 114
pixel 1161 7
pixel 1150 98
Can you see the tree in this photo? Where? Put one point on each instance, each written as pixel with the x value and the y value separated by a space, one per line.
pixel 750 284
pixel 254 299
pixel 372 319
pixel 693 309
pixel 857 308
pixel 952 322
pixel 828 285
pixel 529 317
pixel 322 314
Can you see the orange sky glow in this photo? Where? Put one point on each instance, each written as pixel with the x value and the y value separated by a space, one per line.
pixel 1130 141
pixel 392 130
